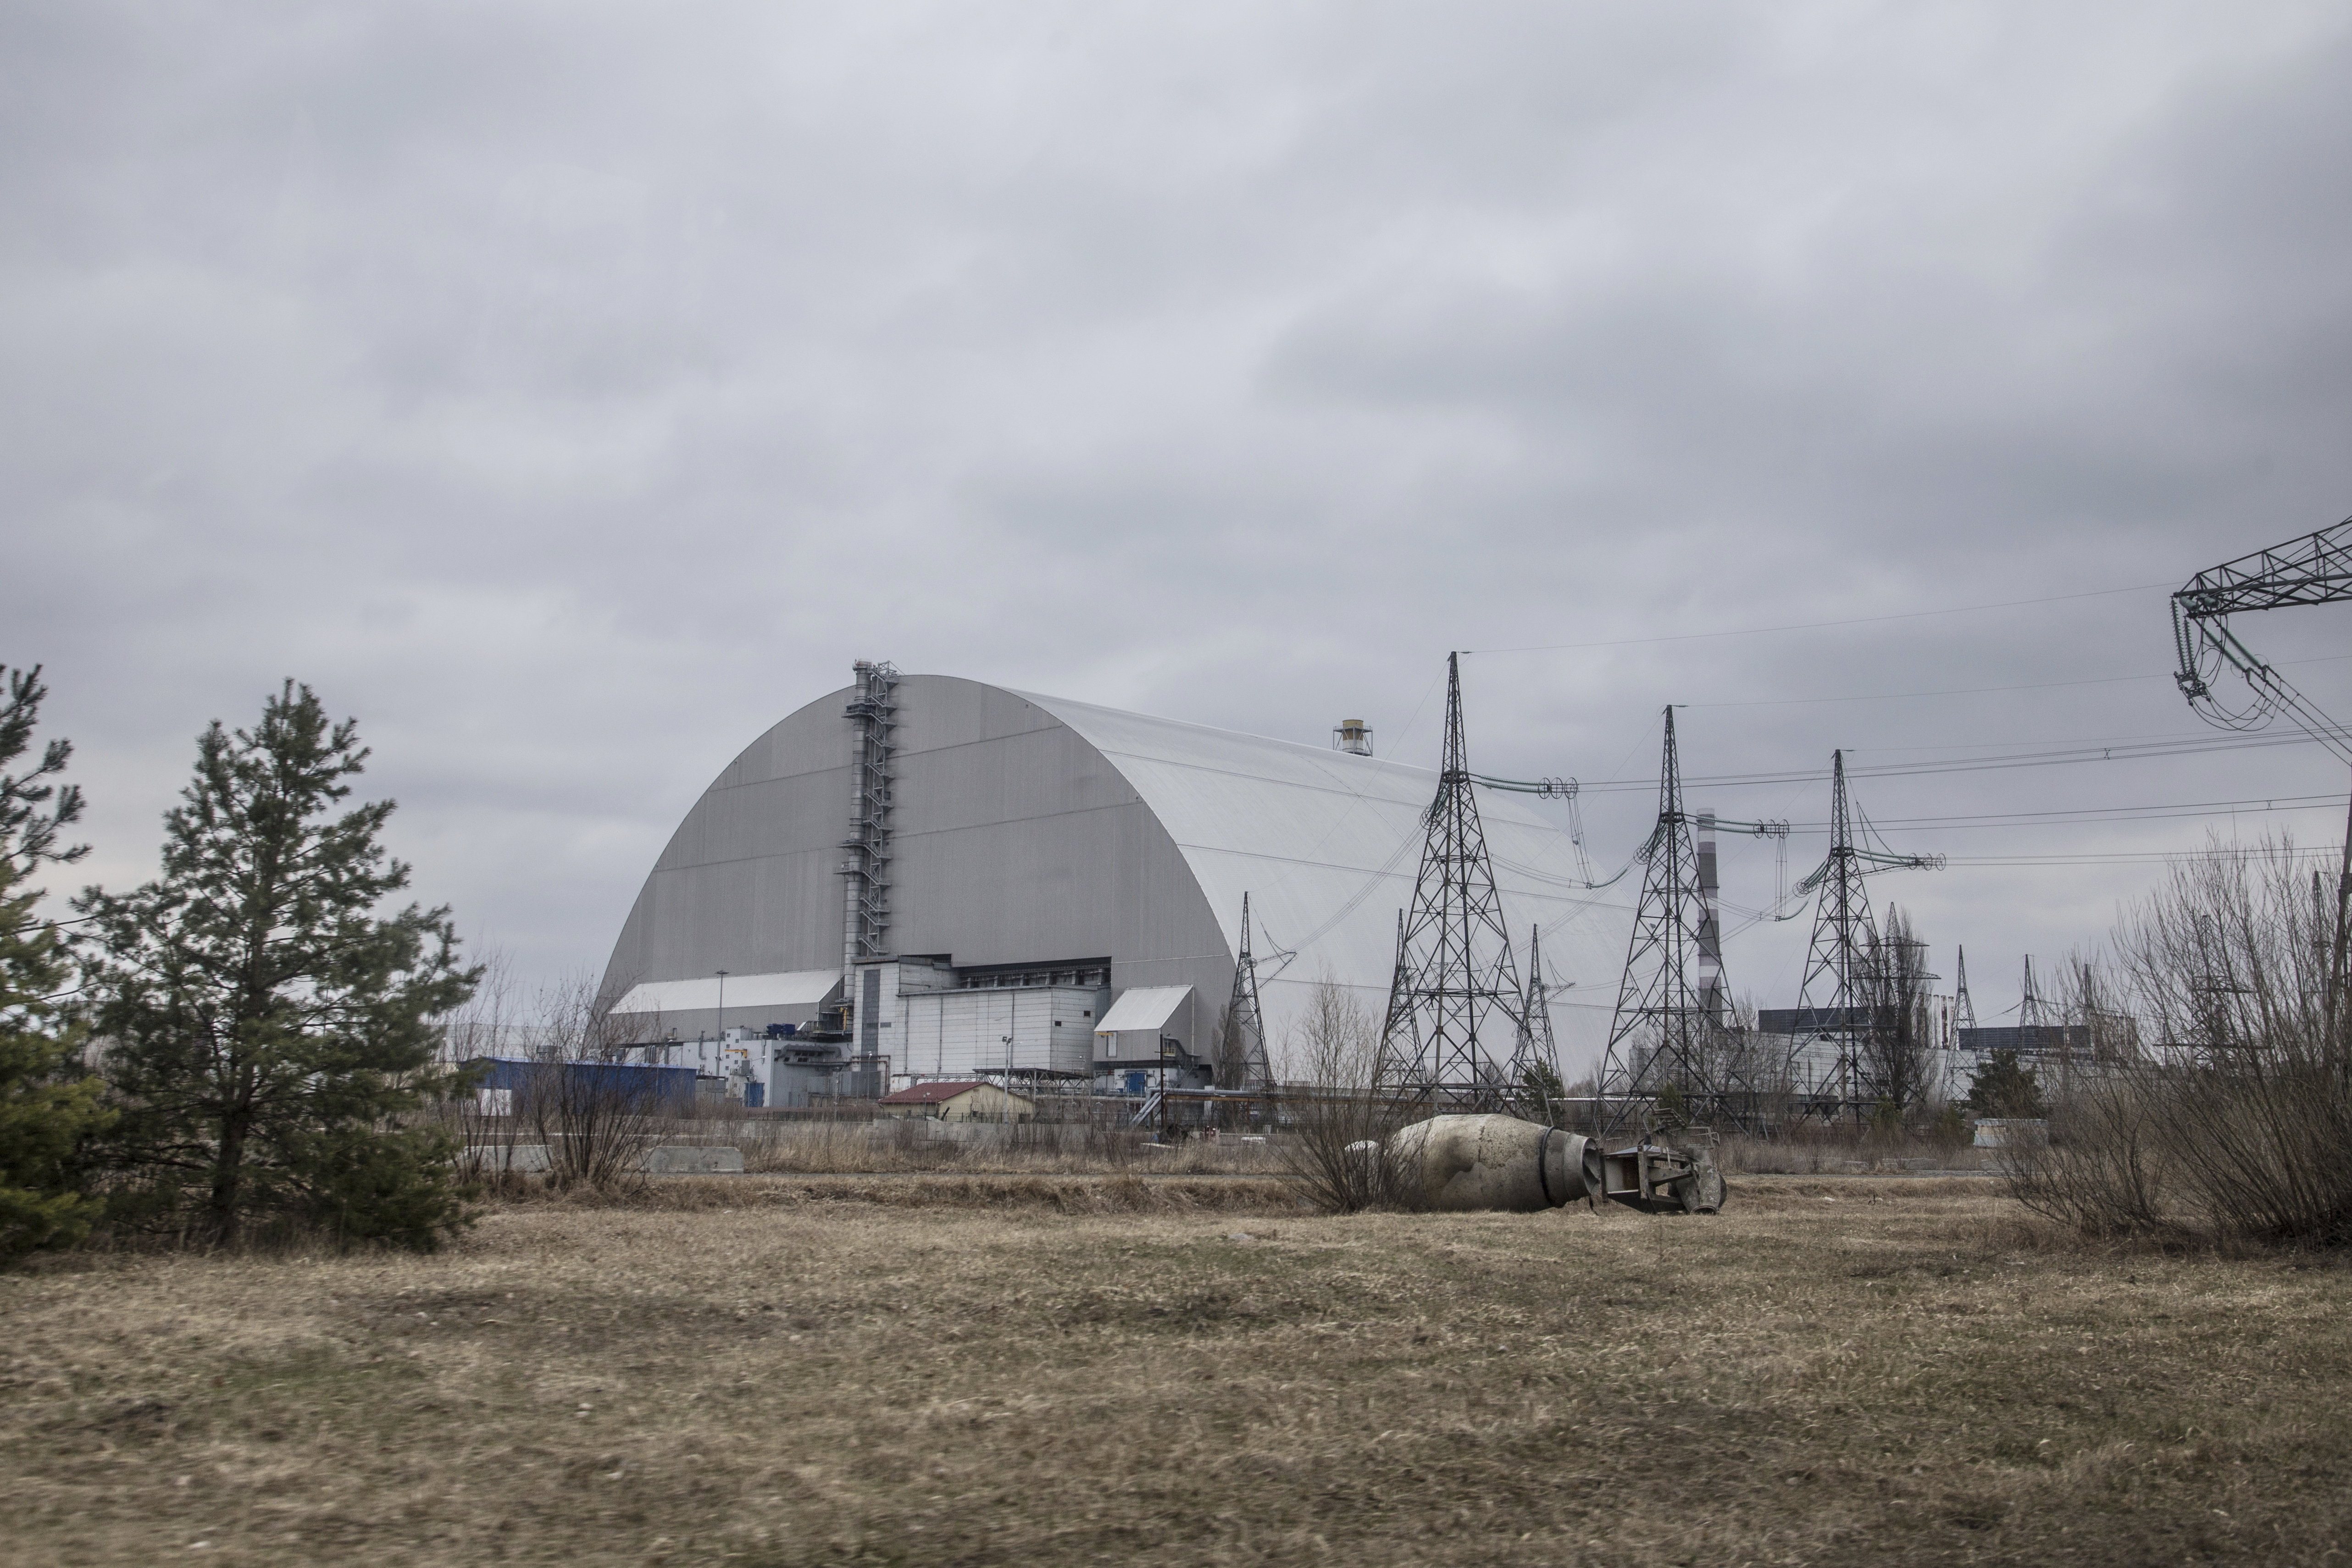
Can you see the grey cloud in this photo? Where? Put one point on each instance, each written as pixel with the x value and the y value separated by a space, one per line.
pixel 570 391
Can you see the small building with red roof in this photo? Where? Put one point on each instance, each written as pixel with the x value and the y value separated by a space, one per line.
pixel 959 1100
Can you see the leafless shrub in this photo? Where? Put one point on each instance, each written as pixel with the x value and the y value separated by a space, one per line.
pixel 596 1115
pixel 2219 1094
pixel 560 1083
pixel 481 1117
pixel 2105 1168
pixel 1335 1150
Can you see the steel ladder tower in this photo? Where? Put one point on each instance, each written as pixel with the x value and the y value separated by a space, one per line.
pixel 865 873
pixel 1665 1030
pixel 1457 989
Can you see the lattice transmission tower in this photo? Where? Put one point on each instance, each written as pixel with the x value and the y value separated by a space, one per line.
pixel 1242 1062
pixel 1457 999
pixel 2030 1006
pixel 1537 1043
pixel 1839 964
pixel 1964 1010
pixel 1669 1029
pixel 1401 1030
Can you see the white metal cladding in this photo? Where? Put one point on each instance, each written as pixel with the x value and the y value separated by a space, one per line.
pixel 964 1031
pixel 1142 1008
pixel 1031 830
pixel 800 987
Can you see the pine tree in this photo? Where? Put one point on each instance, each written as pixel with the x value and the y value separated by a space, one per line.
pixel 48 1108
pixel 2004 1087
pixel 1540 1094
pixel 267 1031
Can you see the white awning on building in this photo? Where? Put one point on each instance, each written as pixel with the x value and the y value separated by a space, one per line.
pixel 1143 1008
pixel 797 987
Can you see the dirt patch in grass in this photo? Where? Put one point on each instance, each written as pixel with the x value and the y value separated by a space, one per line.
pixel 1832 1372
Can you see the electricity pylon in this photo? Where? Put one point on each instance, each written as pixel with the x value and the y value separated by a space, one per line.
pixel 1536 1044
pixel 2314 569
pixel 1668 1031
pixel 1837 963
pixel 1456 996
pixel 1964 1011
pixel 1242 1061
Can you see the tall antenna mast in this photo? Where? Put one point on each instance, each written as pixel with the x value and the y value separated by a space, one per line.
pixel 1242 1057
pixel 1964 1011
pixel 1666 1030
pixel 1457 991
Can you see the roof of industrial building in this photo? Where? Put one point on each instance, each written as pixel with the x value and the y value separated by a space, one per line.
pixel 1143 1007
pixel 940 1092
pixel 798 988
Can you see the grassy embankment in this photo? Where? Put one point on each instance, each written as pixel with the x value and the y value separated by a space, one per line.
pixel 1050 1370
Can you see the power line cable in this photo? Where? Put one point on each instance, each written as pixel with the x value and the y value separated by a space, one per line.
pixel 1976 690
pixel 2069 818
pixel 2132 857
pixel 2056 756
pixel 1818 626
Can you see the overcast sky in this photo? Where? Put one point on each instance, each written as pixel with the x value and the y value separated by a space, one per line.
pixel 571 391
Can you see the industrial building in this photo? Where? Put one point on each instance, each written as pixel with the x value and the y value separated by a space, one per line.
pixel 925 877
pixel 959 1100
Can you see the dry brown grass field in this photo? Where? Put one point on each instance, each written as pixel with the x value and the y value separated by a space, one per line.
pixel 1049 1370
pixel 783 1148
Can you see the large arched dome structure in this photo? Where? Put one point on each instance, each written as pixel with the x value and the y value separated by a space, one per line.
pixel 1040 841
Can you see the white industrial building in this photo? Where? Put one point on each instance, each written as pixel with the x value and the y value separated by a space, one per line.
pixel 963 879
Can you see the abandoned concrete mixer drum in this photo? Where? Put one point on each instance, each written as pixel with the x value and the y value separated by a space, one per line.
pixel 1462 1162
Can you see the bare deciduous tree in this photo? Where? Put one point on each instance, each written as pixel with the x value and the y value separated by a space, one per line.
pixel 2217 1096
pixel 597 1115
pixel 565 1084
pixel 1335 1149
pixel 481 1117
